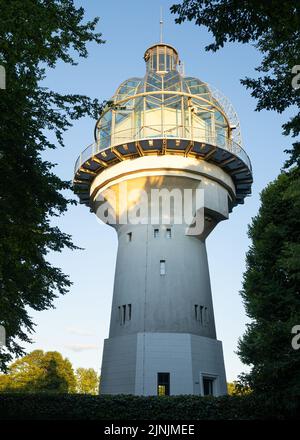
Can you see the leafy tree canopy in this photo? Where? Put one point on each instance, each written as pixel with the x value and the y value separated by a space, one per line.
pixel 34 35
pixel 87 381
pixel 234 389
pixel 271 291
pixel 40 372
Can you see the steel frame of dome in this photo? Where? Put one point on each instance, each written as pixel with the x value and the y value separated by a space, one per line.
pixel 187 136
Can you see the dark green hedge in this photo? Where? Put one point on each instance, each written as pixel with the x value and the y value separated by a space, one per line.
pixel 121 407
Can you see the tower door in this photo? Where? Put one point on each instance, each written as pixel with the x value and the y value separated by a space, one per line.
pixel 209 385
pixel 163 384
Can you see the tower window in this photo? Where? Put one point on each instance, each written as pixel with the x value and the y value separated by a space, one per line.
pixel 163 384
pixel 124 314
pixel 129 236
pixel 168 233
pixel 201 315
pixel 156 233
pixel 163 267
pixel 205 315
pixel 208 386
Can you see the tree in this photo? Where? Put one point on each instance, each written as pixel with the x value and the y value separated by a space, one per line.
pixel 235 389
pixel 274 28
pixel 40 372
pixel 271 292
pixel 87 381
pixel 34 34
pixel 5 382
pixel 231 388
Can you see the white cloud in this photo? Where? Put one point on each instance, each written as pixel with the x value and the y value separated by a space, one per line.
pixel 81 347
pixel 78 331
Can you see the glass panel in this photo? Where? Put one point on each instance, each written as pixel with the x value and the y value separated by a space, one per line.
pixel 174 61
pixel 219 117
pixel 172 81
pixel 197 87
pixel 186 118
pixel 120 116
pixel 220 136
pixel 153 82
pixel 138 114
pixel 172 101
pixel 154 61
pixel 221 129
pixel 161 62
pixel 168 62
pixel 128 88
pixel 153 101
pixel 105 130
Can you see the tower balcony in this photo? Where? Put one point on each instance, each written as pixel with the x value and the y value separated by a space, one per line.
pixel 163 139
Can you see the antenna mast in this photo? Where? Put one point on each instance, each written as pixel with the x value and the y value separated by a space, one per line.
pixel 161 23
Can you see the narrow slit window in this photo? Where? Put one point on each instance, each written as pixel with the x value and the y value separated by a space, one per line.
pixel 205 315
pixel 163 267
pixel 156 233
pixel 129 312
pixel 119 315
pixel 129 236
pixel 201 315
pixel 168 233
pixel 196 312
pixel 124 314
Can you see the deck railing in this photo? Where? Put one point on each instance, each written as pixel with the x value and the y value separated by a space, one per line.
pixel 159 132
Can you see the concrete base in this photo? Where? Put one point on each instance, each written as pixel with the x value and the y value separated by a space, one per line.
pixel 131 363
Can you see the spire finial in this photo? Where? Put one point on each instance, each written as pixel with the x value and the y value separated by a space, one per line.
pixel 161 23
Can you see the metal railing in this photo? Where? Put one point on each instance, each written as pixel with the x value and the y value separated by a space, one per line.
pixel 158 132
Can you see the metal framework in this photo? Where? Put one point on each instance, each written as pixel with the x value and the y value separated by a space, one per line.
pixel 186 115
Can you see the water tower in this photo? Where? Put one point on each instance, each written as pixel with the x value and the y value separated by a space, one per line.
pixel 164 131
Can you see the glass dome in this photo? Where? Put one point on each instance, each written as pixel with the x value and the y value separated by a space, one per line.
pixel 165 104
pixel 166 112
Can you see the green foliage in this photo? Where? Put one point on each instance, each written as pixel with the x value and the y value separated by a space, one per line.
pixel 271 291
pixel 231 388
pixel 121 407
pixel 274 28
pixel 34 35
pixel 39 372
pixel 235 389
pixel 87 381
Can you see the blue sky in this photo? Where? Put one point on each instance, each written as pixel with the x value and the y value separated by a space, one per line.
pixel 80 321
